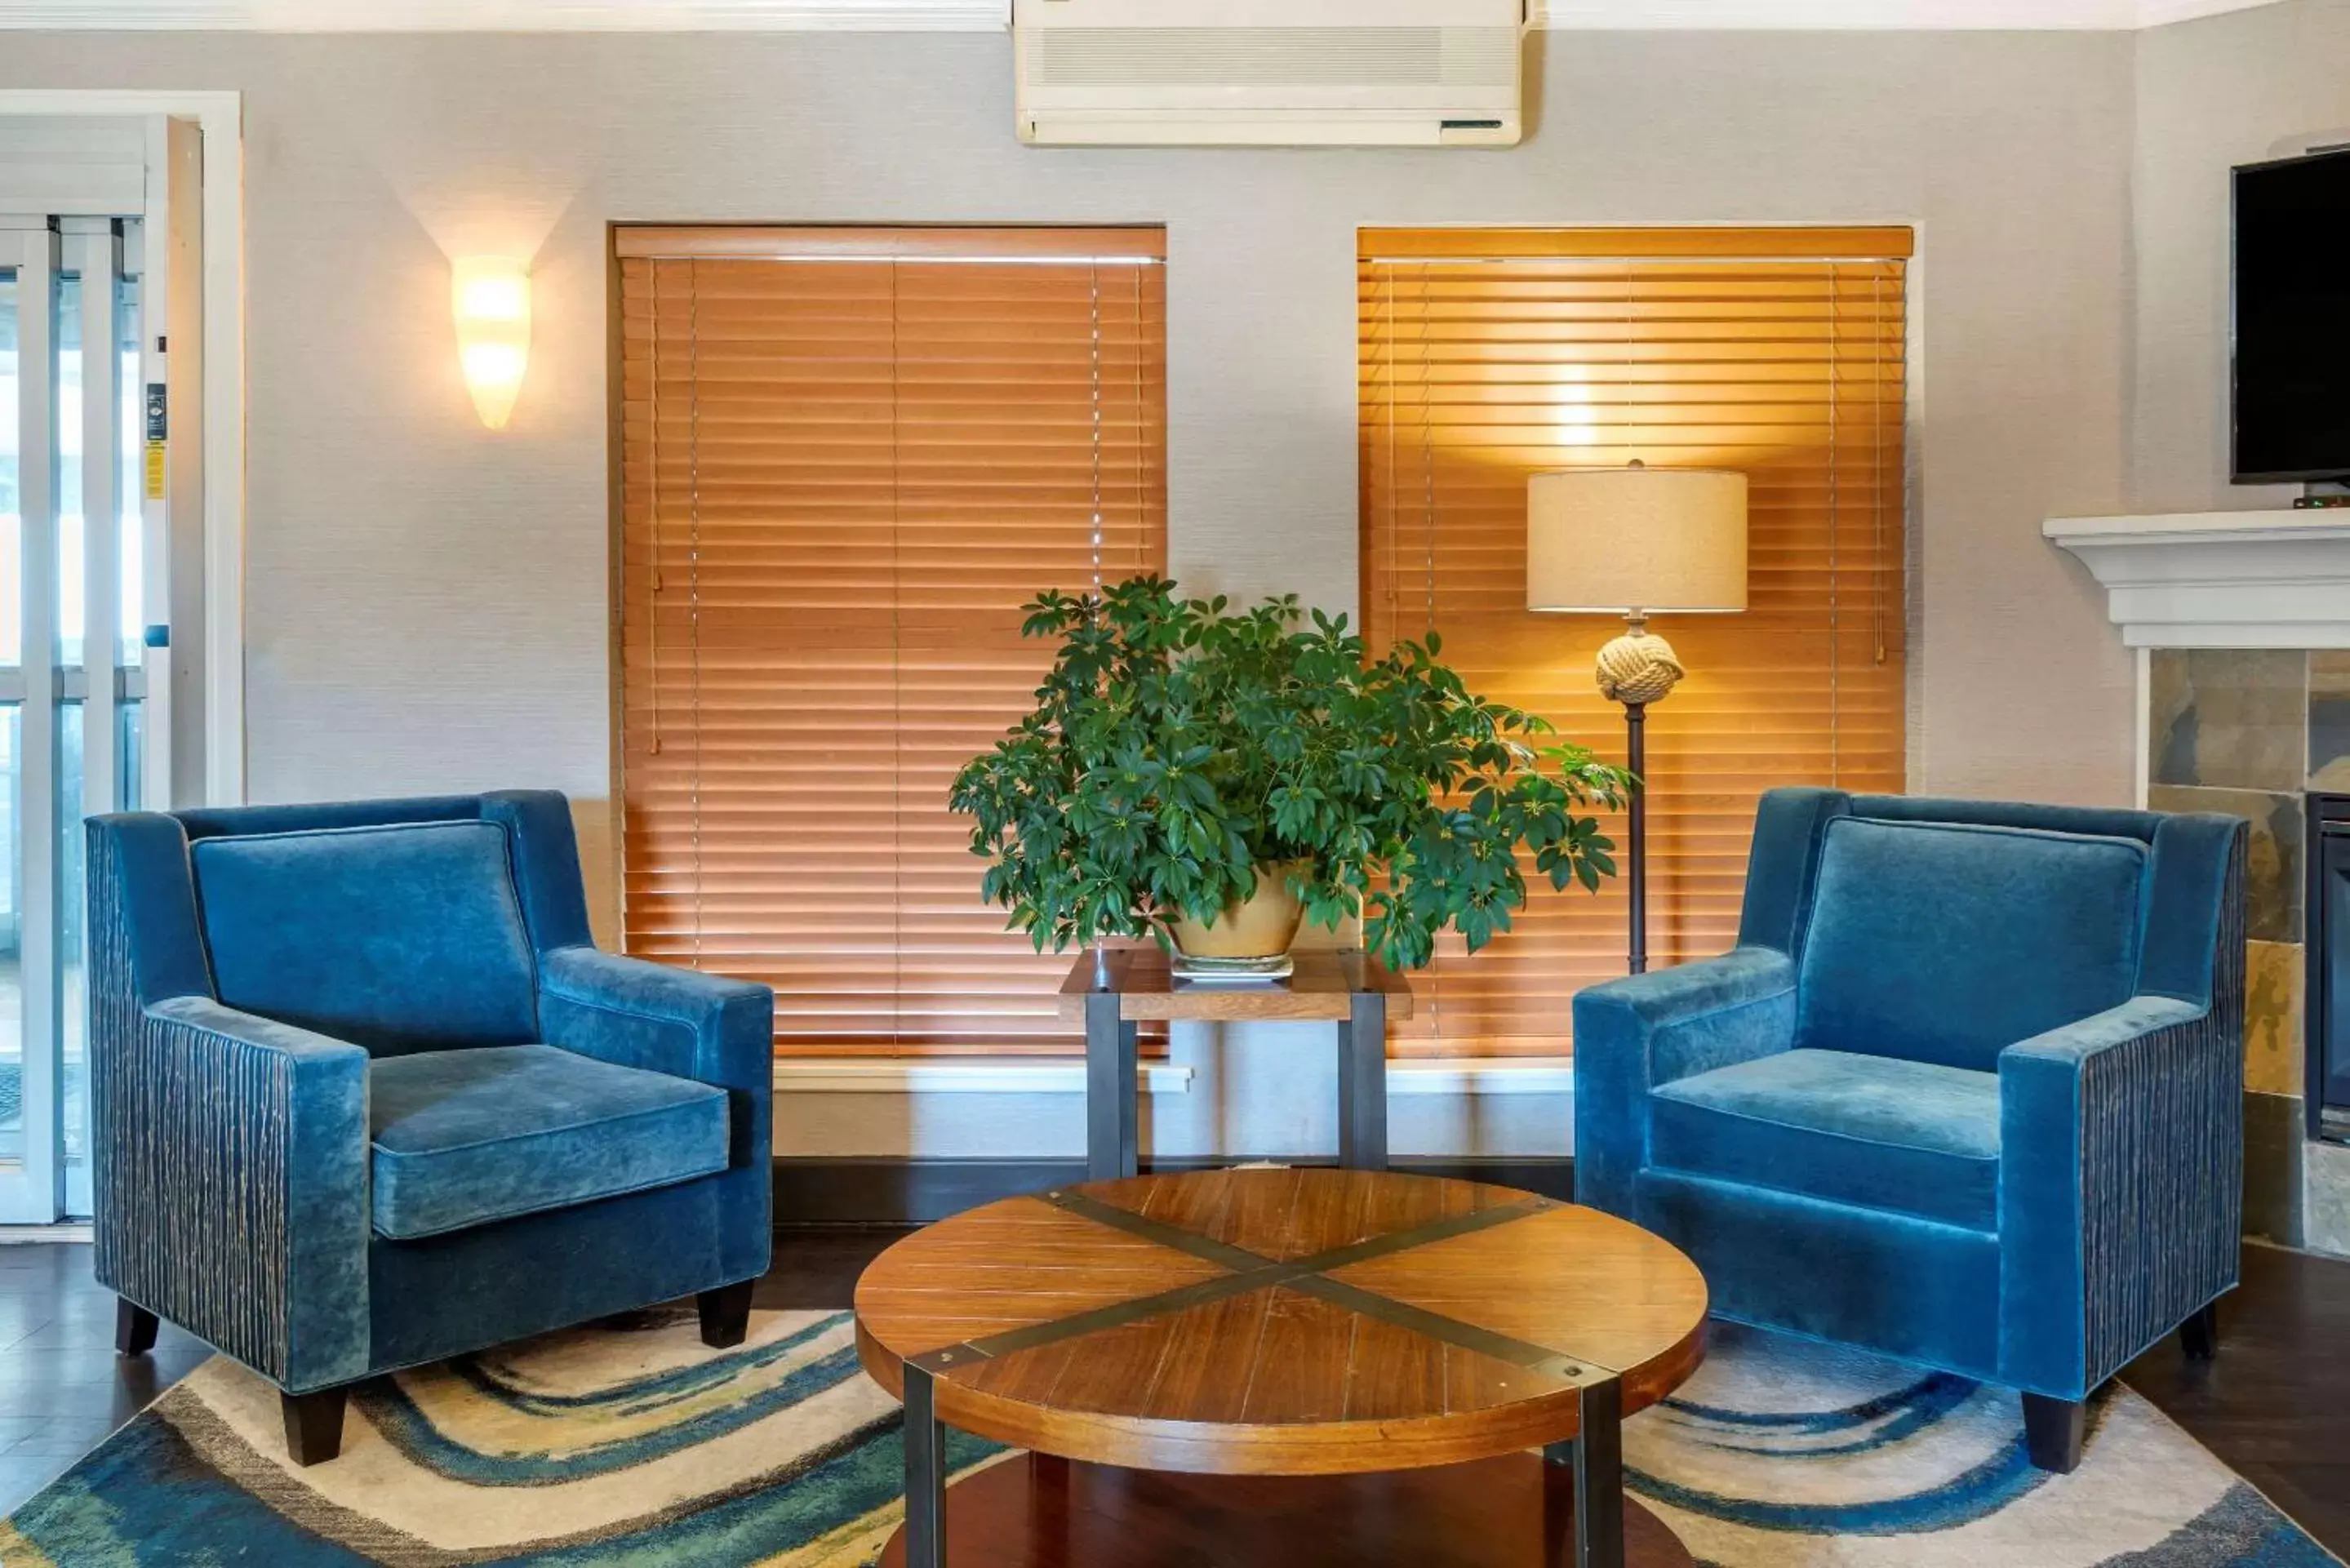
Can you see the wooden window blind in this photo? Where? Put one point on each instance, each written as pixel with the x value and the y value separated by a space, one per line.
pixel 848 456
pixel 1487 355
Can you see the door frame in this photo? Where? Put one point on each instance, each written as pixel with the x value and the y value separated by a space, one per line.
pixel 180 176
pixel 219 119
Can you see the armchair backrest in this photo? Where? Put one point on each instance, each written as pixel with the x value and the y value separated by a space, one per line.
pixel 398 925
pixel 1945 930
pixel 400 937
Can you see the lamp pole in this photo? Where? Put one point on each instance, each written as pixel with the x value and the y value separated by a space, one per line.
pixel 1635 670
pixel 1636 877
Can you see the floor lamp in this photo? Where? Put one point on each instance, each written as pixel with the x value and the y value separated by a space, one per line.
pixel 1636 542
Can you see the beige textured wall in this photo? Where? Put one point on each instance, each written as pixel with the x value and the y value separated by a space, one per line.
pixel 427 601
pixel 2212 94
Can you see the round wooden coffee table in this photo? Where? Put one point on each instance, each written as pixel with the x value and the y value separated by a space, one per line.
pixel 1279 1366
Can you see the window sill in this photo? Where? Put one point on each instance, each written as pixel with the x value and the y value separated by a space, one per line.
pixel 974 1075
pixel 1483 1075
pixel 1479 1076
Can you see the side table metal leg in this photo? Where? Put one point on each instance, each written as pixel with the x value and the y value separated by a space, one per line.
pixel 926 1475
pixel 1599 1477
pixel 1112 1116
pixel 1363 1084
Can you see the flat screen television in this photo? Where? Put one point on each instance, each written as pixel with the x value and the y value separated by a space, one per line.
pixel 2292 320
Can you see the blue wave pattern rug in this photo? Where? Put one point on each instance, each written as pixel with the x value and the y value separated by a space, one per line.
pixel 631 1446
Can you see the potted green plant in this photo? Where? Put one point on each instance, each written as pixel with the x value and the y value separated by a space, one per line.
pixel 1210 777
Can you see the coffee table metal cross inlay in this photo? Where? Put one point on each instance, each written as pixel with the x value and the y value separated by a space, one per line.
pixel 1111 989
pixel 1391 1347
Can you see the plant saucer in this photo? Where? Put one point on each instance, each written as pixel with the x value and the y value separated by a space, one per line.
pixel 1185 966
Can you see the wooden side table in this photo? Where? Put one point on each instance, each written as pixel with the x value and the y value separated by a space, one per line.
pixel 1111 989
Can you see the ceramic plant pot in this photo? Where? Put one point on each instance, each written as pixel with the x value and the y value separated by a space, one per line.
pixel 1257 928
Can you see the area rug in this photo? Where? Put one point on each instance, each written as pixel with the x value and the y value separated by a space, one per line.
pixel 623 1446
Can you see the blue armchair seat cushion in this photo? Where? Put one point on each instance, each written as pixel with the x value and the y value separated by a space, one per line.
pixel 1882 1132
pixel 466 1136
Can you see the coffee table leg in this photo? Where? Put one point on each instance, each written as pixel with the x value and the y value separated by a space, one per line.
pixel 1363 1084
pixel 926 1475
pixel 1557 1504
pixel 1599 1477
pixel 1111 1112
pixel 1048 1498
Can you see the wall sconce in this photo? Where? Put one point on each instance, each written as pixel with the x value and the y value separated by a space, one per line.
pixel 491 297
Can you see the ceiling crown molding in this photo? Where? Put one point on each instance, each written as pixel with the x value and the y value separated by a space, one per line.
pixel 510 16
pixel 990 15
pixel 1923 15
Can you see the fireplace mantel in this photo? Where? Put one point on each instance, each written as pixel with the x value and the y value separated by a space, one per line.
pixel 2220 579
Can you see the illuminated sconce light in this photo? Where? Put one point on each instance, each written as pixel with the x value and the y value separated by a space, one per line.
pixel 491 296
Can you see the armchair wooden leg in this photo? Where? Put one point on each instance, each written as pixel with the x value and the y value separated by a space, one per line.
pixel 2198 1336
pixel 314 1425
pixel 725 1314
pixel 134 1328
pixel 2054 1431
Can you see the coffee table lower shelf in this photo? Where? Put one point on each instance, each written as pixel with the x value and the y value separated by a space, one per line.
pixel 1515 1512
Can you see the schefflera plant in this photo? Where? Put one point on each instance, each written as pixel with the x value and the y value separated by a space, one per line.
pixel 1177 745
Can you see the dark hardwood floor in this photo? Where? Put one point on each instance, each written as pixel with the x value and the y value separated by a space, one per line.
pixel 817 1266
pixel 2275 1405
pixel 62 1388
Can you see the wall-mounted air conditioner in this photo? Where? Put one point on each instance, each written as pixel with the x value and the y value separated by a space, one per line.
pixel 1269 73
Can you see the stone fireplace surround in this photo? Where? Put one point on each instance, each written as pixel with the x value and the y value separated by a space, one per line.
pixel 2242 620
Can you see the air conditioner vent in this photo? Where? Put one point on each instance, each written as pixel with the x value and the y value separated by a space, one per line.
pixel 1240 56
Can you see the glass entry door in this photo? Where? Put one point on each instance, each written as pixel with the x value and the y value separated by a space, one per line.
pixel 73 521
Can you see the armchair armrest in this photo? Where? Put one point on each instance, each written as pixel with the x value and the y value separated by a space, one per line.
pixel 2120 1187
pixel 690 1025
pixel 1634 1033
pixel 675 1021
pixel 232 1165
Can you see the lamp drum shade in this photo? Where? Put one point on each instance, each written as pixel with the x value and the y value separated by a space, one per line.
pixel 1618 540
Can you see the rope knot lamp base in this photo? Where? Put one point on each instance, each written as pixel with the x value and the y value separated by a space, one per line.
pixel 1638 667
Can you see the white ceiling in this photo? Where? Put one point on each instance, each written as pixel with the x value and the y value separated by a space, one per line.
pixel 650 16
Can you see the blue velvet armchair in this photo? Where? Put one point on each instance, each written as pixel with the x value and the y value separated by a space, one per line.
pixel 366 1096
pixel 1968 1092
